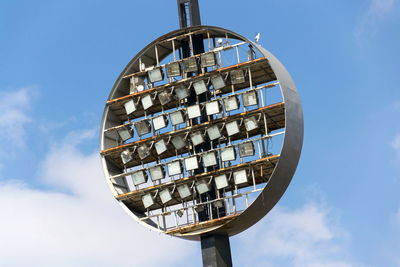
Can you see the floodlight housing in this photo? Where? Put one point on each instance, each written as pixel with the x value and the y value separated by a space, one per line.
pixel 212 107
pixel 197 138
pixel 139 177
pixel 202 187
pixel 178 142
pixel 221 181
pixel 228 153
pixel 165 196
pixel 148 201
pixel 156 173
pixel 218 82
pixel 156 75
pixel 240 177
pixel 193 111
pixel 246 149
pixel 173 69
pixel 184 191
pixel 209 159
pixel 190 65
pixel 214 132
pixel 142 127
pixel 191 163
pixel 231 103
pixel 143 151
pixel 160 146
pixel 160 122
pixel 125 133
pixel 126 156
pixel 147 101
pixel 130 107
pixel 164 97
pixel 237 76
pixel 200 87
pixel 250 99
pixel 251 123
pixel 207 60
pixel 176 117
pixel 136 84
pixel 174 167
pixel 182 92
pixel 232 128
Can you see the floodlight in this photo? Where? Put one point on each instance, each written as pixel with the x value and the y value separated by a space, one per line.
pixel 232 128
pixel 237 76
pixel 156 173
pixel 213 132
pixel 160 122
pixel 164 97
pixel 130 107
pixel 246 149
pixel 165 196
pixel 218 204
pixel 143 151
pixel 160 146
pixel 202 187
pixel 240 177
pixel 176 117
pixel 125 133
pixel 174 167
pixel 218 82
pixel 182 92
pixel 231 103
pixel 178 142
pixel 139 177
pixel 197 138
pixel 126 156
pixel 136 84
pixel 228 153
pixel 207 60
pixel 191 163
pixel 200 87
pixel 179 212
pixel 155 75
pixel 213 107
pixel 190 65
pixel 142 127
pixel 250 99
pixel 221 181
pixel 209 159
pixel 147 101
pixel 184 191
pixel 173 69
pixel 193 111
pixel 199 208
pixel 251 123
pixel 147 200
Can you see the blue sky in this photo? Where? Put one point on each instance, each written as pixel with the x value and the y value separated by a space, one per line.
pixel 58 62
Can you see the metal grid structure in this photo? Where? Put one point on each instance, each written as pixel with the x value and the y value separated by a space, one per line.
pixel 213 164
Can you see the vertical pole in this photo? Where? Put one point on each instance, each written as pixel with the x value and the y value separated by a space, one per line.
pixel 216 251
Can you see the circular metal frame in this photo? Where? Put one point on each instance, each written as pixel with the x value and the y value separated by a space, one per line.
pixel 290 152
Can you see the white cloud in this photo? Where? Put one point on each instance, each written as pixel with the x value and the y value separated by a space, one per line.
pixel 307 236
pixel 396 144
pixel 377 11
pixel 14 118
pixel 80 225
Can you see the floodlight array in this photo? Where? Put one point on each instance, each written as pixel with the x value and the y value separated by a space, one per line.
pixel 197 132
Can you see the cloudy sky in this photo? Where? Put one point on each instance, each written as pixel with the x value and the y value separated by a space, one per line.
pixel 58 62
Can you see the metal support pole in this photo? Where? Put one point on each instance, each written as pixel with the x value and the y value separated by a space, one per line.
pixel 216 251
